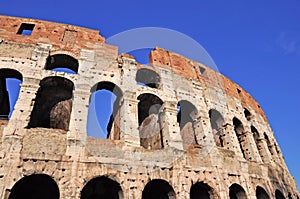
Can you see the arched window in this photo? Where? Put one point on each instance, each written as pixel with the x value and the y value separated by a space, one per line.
pixel 257 142
pixel 35 186
pixel 247 114
pixel 158 189
pixel 102 187
pixel 147 77
pixel 53 104
pixel 217 122
pixel 239 131
pixel 185 116
pixel 10 81
pixel 261 193
pixel 237 192
pixel 279 195
pixel 201 190
pixel 104 111
pixel 149 121
pixel 62 63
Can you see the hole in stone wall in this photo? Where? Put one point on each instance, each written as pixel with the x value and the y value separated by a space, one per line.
pixel 147 77
pixel 217 122
pixel 103 113
pixel 237 192
pixel 201 190
pixel 202 70
pixel 158 189
pixel 10 81
pixel 186 114
pixel 149 121
pixel 247 114
pixel 62 63
pixel 26 29
pixel 102 187
pixel 35 186
pixel 279 195
pixel 261 193
pixel 53 104
pixel 239 131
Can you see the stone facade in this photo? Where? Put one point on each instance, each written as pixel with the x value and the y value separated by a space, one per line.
pixel 183 131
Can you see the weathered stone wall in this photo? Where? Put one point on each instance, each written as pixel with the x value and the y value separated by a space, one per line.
pixel 238 157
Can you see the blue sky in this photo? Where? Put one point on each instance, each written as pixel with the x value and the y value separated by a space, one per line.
pixel 254 43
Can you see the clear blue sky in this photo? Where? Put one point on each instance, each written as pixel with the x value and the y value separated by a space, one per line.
pixel 254 43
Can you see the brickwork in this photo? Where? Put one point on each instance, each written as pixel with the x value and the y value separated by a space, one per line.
pixel 220 145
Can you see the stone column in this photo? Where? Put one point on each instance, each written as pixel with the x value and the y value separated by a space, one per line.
pixel 230 140
pixel 249 147
pixel 264 151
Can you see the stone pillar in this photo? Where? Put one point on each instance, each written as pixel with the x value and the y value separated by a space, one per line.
pixel 249 147
pixel 230 140
pixel 263 150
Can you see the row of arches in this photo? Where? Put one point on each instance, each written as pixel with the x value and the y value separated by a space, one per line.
pixel 44 186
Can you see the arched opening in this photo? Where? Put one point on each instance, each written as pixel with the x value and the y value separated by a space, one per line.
pixel 104 111
pixel 53 104
pixel 35 186
pixel 247 114
pixel 158 189
pixel 237 192
pixel 261 193
pixel 201 190
pixel 217 123
pixel 186 114
pixel 149 108
pixel 258 142
pixel 62 63
pixel 147 77
pixel 10 81
pixel 239 131
pixel 270 146
pixel 102 187
pixel 279 195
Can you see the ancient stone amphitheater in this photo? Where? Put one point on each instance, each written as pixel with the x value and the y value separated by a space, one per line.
pixel 178 129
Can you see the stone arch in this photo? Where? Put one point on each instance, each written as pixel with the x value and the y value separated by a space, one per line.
pixel 35 186
pixel 147 77
pixel 279 194
pixel 261 193
pixel 102 187
pixel 236 191
pixel 149 117
pixel 201 190
pixel 239 131
pixel 14 78
pixel 110 95
pixel 217 122
pixel 62 61
pixel 186 114
pixel 258 143
pixel 53 104
pixel 270 146
pixel 247 114
pixel 158 188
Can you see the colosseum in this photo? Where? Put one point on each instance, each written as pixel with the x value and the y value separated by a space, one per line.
pixel 178 128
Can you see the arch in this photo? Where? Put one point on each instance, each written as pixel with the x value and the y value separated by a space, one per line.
pixel 279 194
pixel 159 189
pixel 35 186
pixel 61 62
pixel 239 131
pixel 261 193
pixel 270 146
pixel 147 77
pixel 237 192
pixel 10 81
pixel 105 104
pixel 217 122
pixel 201 190
pixel 247 114
pixel 149 117
pixel 102 187
pixel 186 114
pixel 257 140
pixel 53 104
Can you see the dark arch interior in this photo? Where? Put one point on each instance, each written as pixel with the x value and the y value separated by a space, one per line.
pixel 247 114
pixel 35 186
pixel 114 92
pixel 201 190
pixel 239 130
pixel 261 193
pixel 5 105
pixel 101 187
pixel 62 61
pixel 217 123
pixel 158 189
pixel 279 195
pixel 237 192
pixel 147 77
pixel 53 104
pixel 150 121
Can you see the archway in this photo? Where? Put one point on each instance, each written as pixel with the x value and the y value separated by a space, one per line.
pixel 239 131
pixel 147 77
pixel 158 189
pixel 201 190
pixel 279 194
pixel 261 193
pixel 217 123
pixel 62 63
pixel 237 192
